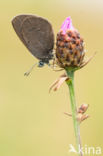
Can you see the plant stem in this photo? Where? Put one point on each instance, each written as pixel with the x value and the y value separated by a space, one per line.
pixel 70 84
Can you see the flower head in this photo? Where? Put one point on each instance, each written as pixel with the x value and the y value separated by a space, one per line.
pixel 69 46
pixel 67 25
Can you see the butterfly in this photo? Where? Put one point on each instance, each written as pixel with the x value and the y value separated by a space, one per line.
pixel 37 35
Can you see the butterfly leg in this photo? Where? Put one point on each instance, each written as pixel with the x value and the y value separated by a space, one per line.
pixel 29 71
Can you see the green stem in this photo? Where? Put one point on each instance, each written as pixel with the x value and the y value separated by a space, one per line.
pixel 70 84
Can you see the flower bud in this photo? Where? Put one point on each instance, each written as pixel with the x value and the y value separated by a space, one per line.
pixel 69 46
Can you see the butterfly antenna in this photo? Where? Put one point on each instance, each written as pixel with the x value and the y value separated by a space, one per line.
pixel 30 70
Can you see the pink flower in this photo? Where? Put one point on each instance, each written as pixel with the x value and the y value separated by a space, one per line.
pixel 67 24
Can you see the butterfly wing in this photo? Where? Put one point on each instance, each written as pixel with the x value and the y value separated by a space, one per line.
pixel 37 35
pixel 17 23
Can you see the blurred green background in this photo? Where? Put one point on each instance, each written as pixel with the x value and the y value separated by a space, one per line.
pixel 32 122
